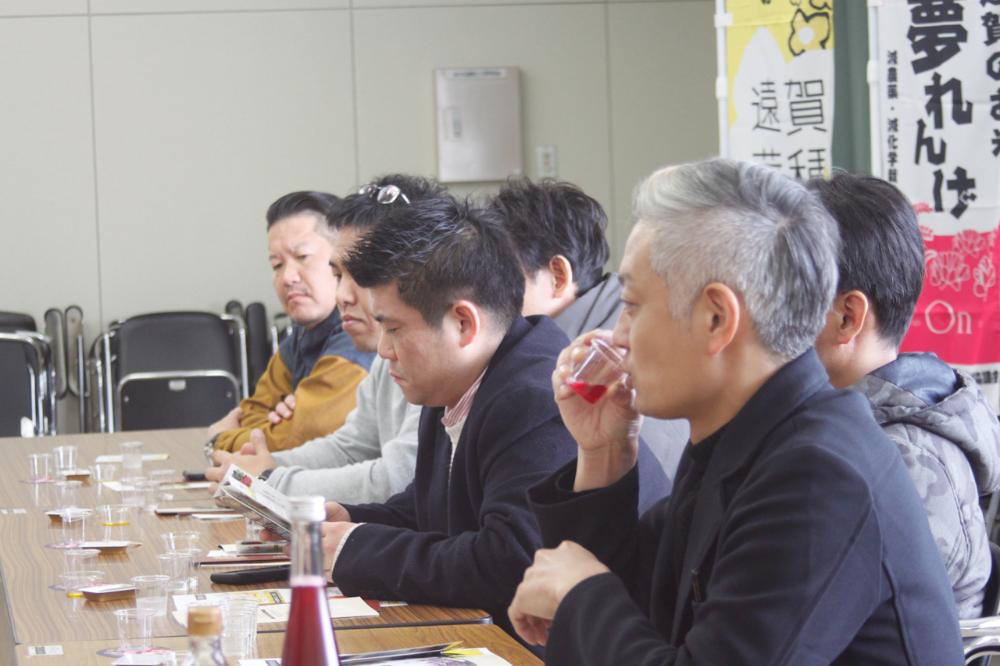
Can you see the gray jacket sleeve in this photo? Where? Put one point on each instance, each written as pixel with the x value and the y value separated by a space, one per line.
pixel 368 459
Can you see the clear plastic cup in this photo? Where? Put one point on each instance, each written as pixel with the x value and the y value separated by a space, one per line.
pixel 133 491
pixel 599 369
pixel 164 478
pixel 74 527
pixel 239 628
pixel 80 559
pixel 72 582
pixel 135 629
pixel 187 542
pixel 178 565
pixel 113 515
pixel 151 593
pixel 65 457
pixel 40 468
pixel 68 494
pixel 105 471
pixel 131 458
pixel 149 494
pixel 253 529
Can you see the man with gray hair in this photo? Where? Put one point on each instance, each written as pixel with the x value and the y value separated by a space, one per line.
pixel 794 533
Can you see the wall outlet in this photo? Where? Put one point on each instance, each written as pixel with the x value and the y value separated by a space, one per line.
pixel 547 161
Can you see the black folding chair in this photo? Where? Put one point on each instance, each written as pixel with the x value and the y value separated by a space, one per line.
pixel 13 322
pixel 27 384
pixel 170 370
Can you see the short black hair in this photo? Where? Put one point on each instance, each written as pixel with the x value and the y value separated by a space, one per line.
pixel 300 202
pixel 549 218
pixel 438 250
pixel 882 251
pixel 363 211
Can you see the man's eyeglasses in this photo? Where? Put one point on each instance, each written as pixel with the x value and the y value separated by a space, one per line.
pixel 386 194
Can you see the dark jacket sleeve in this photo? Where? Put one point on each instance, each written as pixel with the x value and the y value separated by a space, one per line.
pixel 519 443
pixel 785 587
pixel 604 521
pixel 397 511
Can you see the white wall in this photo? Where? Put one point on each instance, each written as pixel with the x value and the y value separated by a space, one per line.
pixel 142 140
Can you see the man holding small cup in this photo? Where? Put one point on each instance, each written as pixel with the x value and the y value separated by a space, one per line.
pixel 794 534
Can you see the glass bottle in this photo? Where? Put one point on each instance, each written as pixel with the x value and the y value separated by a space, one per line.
pixel 205 637
pixel 309 637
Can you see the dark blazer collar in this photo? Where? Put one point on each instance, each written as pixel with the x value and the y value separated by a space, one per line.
pixel 518 330
pixel 739 445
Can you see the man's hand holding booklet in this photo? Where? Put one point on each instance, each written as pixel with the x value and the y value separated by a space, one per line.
pixel 245 493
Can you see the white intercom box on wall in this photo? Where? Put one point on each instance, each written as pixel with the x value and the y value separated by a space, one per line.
pixel 479 123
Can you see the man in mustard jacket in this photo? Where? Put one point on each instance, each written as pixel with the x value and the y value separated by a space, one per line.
pixel 317 368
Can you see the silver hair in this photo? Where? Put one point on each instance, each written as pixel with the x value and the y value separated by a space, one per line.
pixel 749 227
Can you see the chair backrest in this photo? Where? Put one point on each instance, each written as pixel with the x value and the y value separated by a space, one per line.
pixel 12 322
pixel 172 369
pixel 979 650
pixel 282 328
pixel 26 384
pixel 171 341
pixel 258 341
pixel 55 330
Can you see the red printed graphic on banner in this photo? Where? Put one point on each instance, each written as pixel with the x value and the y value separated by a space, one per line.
pixel 958 314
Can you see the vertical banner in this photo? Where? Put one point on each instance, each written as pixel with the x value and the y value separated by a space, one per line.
pixel 938 127
pixel 779 83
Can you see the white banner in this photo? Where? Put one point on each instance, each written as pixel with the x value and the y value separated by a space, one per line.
pixel 936 135
pixel 779 84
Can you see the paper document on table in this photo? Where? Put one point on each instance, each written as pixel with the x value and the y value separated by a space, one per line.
pixel 463 656
pixel 273 595
pixel 186 485
pixel 340 607
pixel 274 604
pixel 117 457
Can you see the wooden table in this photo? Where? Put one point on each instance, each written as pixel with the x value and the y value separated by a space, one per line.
pixel 360 640
pixel 34 613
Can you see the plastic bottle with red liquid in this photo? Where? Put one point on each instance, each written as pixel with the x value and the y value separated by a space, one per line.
pixel 309 638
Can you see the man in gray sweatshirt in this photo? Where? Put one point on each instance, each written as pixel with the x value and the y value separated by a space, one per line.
pixel 938 418
pixel 558 232
pixel 373 455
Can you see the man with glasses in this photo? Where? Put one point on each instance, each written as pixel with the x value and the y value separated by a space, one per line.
pixel 372 456
pixel 317 368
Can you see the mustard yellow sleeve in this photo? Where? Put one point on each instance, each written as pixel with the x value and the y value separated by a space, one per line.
pixel 274 384
pixel 323 400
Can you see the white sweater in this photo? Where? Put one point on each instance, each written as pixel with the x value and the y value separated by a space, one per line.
pixel 368 459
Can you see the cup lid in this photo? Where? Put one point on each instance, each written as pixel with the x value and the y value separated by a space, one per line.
pixel 204 621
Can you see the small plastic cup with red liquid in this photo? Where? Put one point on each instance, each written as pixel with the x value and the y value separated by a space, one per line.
pixel 599 369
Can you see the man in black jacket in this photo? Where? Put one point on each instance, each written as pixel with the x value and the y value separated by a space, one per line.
pixel 558 233
pixel 794 534
pixel 446 289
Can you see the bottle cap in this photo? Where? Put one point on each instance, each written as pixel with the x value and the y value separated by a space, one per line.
pixel 309 509
pixel 204 621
